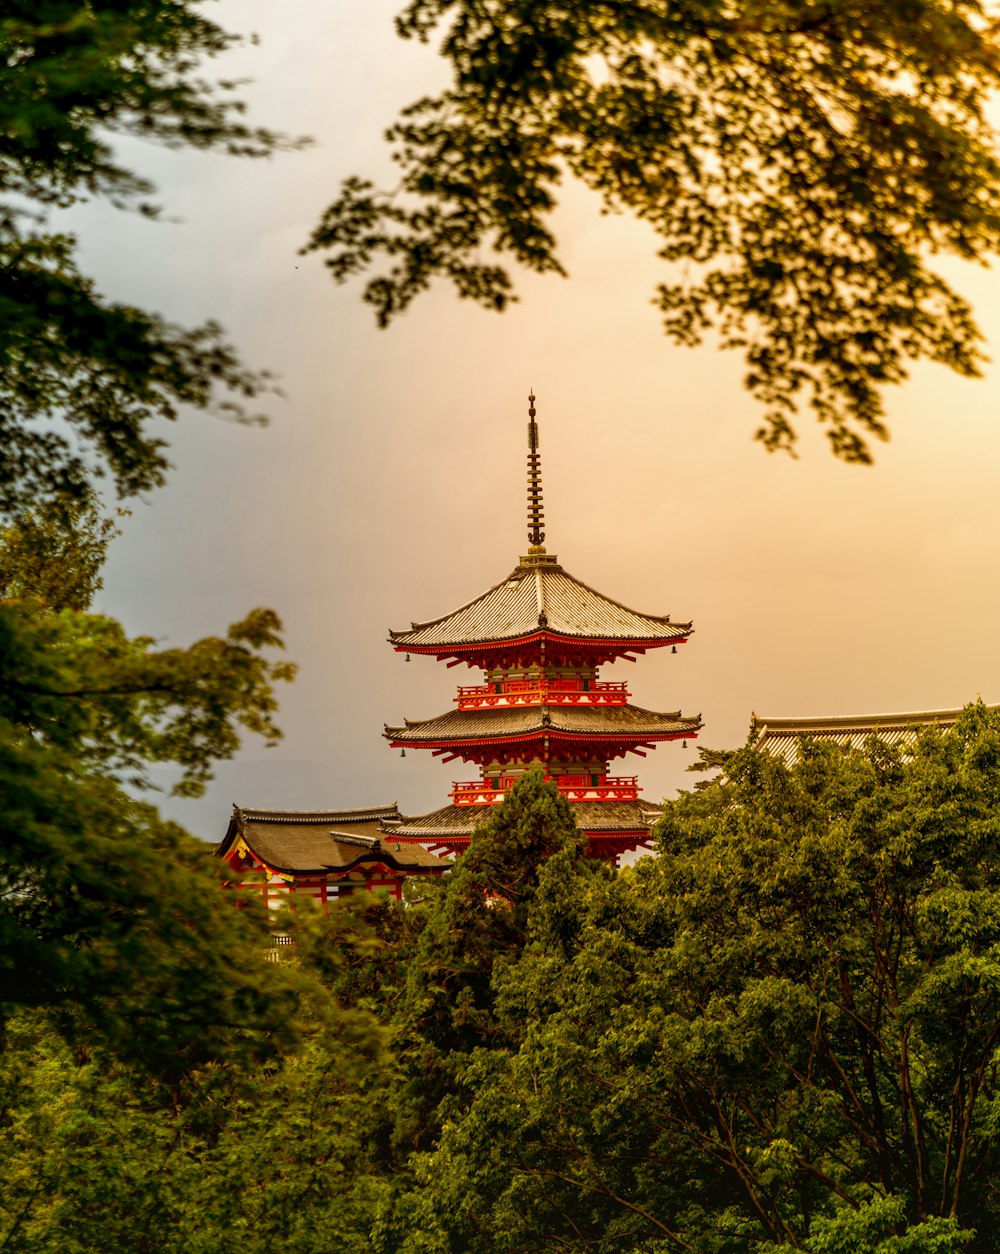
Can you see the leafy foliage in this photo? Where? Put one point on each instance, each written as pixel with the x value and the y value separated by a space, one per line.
pixel 91 1158
pixel 148 1050
pixel 798 163
pixel 83 379
pixel 446 1027
pixel 56 556
pixel 75 680
pixel 81 683
pixel 107 913
pixel 480 916
pixel 114 919
pixel 782 1033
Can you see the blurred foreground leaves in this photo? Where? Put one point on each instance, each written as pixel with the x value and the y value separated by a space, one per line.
pixel 84 380
pixel 800 166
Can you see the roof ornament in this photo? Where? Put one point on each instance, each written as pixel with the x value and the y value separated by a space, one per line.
pixel 536 511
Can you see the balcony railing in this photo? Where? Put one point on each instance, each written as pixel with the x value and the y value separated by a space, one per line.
pixel 516 692
pixel 486 792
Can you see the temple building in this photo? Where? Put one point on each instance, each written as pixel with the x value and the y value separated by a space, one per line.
pixel 781 737
pixel 539 636
pixel 322 854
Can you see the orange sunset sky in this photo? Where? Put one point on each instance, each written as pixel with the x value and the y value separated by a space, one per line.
pixel 389 485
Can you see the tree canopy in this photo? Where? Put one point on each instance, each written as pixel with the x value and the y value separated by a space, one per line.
pixel 782 1033
pixel 779 1034
pixel 56 556
pixel 800 165
pixel 136 999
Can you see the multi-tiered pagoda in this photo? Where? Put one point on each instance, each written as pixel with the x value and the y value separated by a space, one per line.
pixel 539 637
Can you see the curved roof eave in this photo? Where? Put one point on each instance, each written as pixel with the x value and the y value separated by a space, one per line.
pixel 626 722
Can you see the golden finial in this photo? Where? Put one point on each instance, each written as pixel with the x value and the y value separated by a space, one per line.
pixel 536 513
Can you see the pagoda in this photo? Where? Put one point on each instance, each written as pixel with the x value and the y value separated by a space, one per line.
pixel 539 637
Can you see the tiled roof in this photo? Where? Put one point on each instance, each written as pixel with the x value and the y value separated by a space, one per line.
pixel 540 595
pixel 600 722
pixel 591 816
pixel 322 842
pixel 781 737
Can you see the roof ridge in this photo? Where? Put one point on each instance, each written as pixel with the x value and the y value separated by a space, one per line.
pixel 436 822
pixel 555 601
pixel 641 709
pixel 483 714
pixel 832 721
pixel 259 813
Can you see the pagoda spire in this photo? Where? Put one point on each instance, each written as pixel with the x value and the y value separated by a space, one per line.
pixel 536 511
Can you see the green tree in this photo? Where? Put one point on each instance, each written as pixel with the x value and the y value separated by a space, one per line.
pixel 444 1028
pixel 107 913
pixel 477 922
pixel 780 1034
pixel 426 971
pixel 140 1025
pixel 799 164
pixel 480 915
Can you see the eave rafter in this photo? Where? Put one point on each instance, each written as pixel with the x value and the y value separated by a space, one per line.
pixel 559 650
pixel 549 734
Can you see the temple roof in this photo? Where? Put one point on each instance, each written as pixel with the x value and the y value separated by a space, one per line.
pixel 323 842
pixel 590 816
pixel 612 722
pixel 538 595
pixel 781 737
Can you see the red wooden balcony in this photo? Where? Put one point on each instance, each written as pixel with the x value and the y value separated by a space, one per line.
pixel 486 792
pixel 515 692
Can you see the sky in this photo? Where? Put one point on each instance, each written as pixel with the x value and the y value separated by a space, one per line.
pixel 389 485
